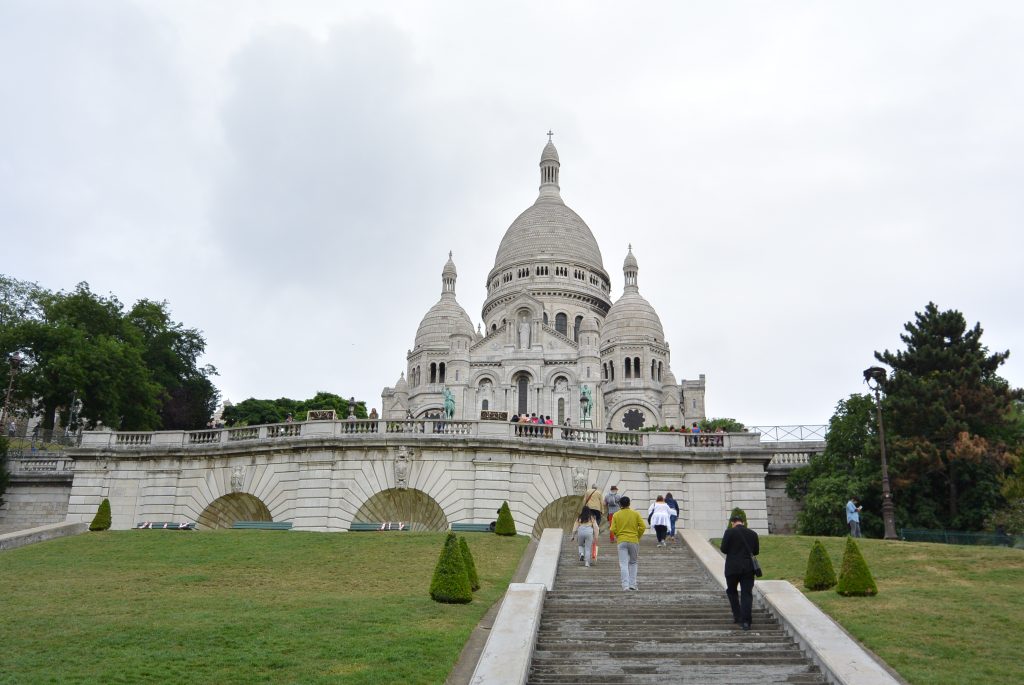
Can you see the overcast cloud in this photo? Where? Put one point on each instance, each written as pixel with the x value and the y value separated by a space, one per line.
pixel 796 179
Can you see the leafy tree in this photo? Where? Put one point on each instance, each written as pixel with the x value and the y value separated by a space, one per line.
pixel 728 425
pixel 952 421
pixel 253 412
pixel 850 465
pixel 136 370
pixel 170 352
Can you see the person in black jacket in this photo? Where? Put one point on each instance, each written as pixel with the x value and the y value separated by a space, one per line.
pixel 738 544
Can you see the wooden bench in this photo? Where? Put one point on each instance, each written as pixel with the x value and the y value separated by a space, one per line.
pixel 263 525
pixel 383 526
pixel 472 528
pixel 165 525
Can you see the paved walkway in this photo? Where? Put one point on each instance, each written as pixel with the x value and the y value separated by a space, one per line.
pixel 677 629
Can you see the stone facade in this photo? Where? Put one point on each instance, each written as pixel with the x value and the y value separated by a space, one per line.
pixel 550 333
pixel 328 475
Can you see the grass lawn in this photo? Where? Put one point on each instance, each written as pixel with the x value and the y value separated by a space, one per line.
pixel 944 614
pixel 238 607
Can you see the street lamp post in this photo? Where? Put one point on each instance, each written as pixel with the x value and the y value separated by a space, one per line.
pixel 876 374
pixel 15 362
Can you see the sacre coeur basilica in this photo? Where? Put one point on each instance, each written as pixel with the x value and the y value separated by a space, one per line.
pixel 550 335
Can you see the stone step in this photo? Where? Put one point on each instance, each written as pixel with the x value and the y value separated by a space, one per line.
pixel 677 628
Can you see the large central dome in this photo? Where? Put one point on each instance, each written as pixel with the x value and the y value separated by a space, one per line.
pixel 548 230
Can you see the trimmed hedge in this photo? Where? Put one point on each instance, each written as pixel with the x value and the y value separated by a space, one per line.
pixel 450 583
pixel 855 579
pixel 467 559
pixel 736 511
pixel 820 574
pixel 505 525
pixel 102 519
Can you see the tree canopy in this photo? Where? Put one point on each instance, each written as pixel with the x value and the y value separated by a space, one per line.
pixel 134 370
pixel 252 411
pixel 954 434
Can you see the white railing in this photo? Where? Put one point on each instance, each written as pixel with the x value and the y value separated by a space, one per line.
pixel 791 459
pixel 29 466
pixel 417 428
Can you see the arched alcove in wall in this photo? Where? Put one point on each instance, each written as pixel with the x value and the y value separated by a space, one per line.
pixel 415 508
pixel 559 514
pixel 238 506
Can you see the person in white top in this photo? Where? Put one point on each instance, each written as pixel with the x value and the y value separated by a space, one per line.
pixel 660 516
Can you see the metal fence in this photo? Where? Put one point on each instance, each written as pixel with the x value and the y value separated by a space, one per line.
pixel 790 433
pixel 24 442
pixel 959 537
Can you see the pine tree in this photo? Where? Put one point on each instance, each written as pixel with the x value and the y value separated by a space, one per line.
pixel 819 575
pixel 102 519
pixel 855 579
pixel 951 420
pixel 506 525
pixel 467 558
pixel 450 583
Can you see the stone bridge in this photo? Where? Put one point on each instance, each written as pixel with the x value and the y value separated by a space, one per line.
pixel 328 475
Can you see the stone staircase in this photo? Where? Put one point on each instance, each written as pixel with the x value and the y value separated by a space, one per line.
pixel 677 629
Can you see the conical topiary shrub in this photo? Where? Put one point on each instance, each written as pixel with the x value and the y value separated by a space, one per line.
pixel 736 511
pixel 855 578
pixel 820 575
pixel 102 519
pixel 467 559
pixel 451 582
pixel 505 524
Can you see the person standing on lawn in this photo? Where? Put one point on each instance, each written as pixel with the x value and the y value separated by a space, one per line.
pixel 853 508
pixel 627 527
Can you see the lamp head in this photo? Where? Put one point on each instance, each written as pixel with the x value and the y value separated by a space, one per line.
pixel 874 373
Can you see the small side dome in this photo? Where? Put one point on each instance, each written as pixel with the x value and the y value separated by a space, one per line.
pixel 589 325
pixel 550 154
pixel 670 378
pixel 447 317
pixel 402 385
pixel 631 317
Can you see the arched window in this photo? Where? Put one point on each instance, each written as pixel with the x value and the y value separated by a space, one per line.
pixel 604 371
pixel 654 369
pixel 561 410
pixel 659 371
pixel 611 369
pixel 494 327
pixel 484 405
pixel 576 328
pixel 440 373
pixel 561 323
pixel 524 392
pixel 629 368
pixel 545 318
pixel 433 372
pixel 636 367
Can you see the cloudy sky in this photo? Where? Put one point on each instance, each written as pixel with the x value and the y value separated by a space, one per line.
pixel 796 178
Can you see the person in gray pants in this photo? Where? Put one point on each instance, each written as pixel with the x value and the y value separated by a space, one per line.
pixel 585 531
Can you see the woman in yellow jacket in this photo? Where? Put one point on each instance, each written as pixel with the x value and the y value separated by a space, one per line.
pixel 627 527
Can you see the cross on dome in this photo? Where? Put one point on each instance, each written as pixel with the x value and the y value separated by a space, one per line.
pixel 550 133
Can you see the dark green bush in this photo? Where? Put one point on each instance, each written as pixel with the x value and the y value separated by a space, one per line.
pixel 467 559
pixel 102 519
pixel 451 582
pixel 855 579
pixel 505 525
pixel 820 575
pixel 736 511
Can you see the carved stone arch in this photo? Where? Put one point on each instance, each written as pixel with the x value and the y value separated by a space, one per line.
pixel 561 513
pixel 525 301
pixel 484 375
pixel 554 372
pixel 616 412
pixel 236 506
pixel 432 408
pixel 412 508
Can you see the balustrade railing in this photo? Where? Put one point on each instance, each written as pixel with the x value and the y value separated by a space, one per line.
pixel 344 429
pixel 31 466
pixel 791 459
